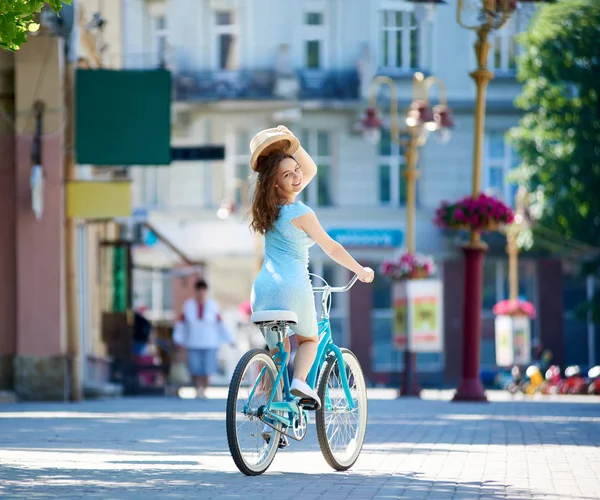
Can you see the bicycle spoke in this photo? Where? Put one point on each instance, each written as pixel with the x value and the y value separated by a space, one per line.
pixel 343 421
pixel 253 386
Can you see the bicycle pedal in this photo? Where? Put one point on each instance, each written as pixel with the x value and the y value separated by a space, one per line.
pixel 308 404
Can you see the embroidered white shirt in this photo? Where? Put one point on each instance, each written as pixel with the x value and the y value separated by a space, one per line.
pixel 205 329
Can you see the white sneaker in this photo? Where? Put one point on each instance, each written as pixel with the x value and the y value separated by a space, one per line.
pixel 303 390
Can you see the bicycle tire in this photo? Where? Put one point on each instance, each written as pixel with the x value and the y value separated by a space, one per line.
pixel 231 415
pixel 351 360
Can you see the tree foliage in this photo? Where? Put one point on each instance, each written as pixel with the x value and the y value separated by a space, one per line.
pixel 17 18
pixel 558 138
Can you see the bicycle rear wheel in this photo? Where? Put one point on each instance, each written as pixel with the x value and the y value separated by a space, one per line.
pixel 252 445
pixel 341 430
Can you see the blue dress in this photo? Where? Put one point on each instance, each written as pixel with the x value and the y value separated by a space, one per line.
pixel 283 281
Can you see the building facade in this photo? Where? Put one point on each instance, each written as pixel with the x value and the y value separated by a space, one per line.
pixel 243 65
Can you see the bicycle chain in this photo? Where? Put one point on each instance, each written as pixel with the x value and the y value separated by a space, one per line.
pixel 285 433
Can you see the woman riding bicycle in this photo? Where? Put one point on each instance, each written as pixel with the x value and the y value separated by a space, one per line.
pixel 283 170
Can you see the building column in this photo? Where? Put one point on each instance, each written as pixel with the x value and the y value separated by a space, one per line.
pixel 8 325
pixel 41 365
pixel 551 308
pixel 454 280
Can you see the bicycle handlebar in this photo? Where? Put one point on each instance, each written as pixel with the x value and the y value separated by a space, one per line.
pixel 337 288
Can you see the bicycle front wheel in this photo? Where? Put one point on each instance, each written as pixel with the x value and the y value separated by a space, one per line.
pixel 341 429
pixel 252 444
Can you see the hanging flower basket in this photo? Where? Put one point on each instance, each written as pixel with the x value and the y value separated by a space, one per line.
pixel 409 266
pixel 514 308
pixel 482 213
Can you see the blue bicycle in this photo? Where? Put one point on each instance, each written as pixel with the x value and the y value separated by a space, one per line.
pixel 262 413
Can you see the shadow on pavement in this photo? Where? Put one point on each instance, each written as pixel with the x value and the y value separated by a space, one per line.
pixel 157 483
pixel 169 448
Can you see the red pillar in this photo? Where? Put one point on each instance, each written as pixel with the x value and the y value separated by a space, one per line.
pixel 8 256
pixel 410 382
pixel 470 387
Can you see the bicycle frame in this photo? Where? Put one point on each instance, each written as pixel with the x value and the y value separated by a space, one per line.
pixel 326 346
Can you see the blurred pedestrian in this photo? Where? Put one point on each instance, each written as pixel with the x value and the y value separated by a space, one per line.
pixel 205 332
pixel 142 328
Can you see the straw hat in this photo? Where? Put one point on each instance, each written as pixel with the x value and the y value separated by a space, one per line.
pixel 269 140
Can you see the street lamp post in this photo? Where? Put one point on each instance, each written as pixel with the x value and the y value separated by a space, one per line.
pixel 521 222
pixel 493 14
pixel 420 119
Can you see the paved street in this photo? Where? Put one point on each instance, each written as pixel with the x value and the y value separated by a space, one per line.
pixel 169 448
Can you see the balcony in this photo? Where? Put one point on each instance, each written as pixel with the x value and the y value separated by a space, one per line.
pixel 207 86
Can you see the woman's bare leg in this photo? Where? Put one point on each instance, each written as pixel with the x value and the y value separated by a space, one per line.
pixel 305 356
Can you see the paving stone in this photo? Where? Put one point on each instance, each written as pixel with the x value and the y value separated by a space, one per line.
pixel 430 448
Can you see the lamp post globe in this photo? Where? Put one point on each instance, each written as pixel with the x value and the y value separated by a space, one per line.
pixel 371 126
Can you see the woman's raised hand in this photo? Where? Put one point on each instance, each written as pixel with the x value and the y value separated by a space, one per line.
pixel 366 275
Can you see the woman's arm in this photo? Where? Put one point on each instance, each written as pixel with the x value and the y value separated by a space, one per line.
pixel 307 164
pixel 311 225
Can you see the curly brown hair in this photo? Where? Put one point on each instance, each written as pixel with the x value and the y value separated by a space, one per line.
pixel 265 207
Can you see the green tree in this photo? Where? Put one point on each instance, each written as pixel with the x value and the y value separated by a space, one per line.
pixel 558 138
pixel 17 18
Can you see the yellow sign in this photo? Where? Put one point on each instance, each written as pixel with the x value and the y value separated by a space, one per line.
pixel 400 324
pixel 425 316
pixel 98 199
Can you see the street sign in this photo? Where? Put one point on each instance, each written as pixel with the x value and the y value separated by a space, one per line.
pixel 198 153
pixel 425 316
pixel 418 315
pixel 380 238
pixel 513 340
pixel 139 214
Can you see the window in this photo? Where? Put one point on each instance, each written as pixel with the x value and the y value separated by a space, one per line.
pixel 149 189
pixel 314 36
pixel 313 18
pixel 225 40
pixel 312 57
pixel 154 290
pixel 400 39
pixel 160 41
pixel 500 159
pixel 318 144
pixel 242 189
pixel 392 187
pixel 503 56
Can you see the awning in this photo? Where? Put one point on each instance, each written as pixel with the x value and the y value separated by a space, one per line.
pixel 197 240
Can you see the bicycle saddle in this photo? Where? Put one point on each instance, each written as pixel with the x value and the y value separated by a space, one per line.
pixel 274 316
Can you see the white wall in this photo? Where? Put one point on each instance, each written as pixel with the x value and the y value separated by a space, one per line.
pixel 197 188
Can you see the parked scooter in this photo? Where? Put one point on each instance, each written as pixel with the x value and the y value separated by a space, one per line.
pixel 574 382
pixel 553 380
pixel 514 385
pixel 594 380
pixel 536 380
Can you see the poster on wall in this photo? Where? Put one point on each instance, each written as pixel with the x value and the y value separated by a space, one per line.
pixel 504 341
pixel 425 315
pixel 521 340
pixel 400 320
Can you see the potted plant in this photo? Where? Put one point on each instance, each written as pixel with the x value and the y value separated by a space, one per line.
pixel 409 266
pixel 480 213
pixel 518 307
